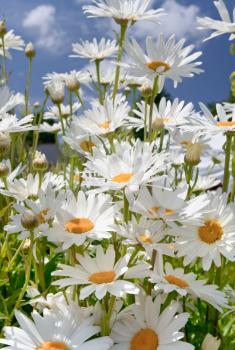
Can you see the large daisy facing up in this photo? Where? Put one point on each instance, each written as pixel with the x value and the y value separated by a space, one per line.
pixel 95 50
pixel 149 329
pixel 101 275
pixel 82 217
pixel 186 283
pixel 124 11
pixel 225 25
pixel 129 167
pixel 167 59
pixel 208 230
pixel 54 331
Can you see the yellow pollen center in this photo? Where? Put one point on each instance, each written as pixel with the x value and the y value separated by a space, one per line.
pixel 77 178
pixel 144 238
pixel 102 277
pixel 41 216
pixel 79 225
pixel 226 123
pixel 145 339
pixel 87 146
pixel 123 177
pixel 168 211
pixel 154 210
pixel 184 142
pixel 177 281
pixel 210 232
pixel 53 345
pixel 154 65
pixel 105 125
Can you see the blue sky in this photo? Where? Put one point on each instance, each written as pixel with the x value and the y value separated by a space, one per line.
pixel 53 25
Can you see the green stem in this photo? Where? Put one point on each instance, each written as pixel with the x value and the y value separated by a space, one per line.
pixel 4 60
pixel 119 58
pixel 145 118
pixel 154 94
pixel 126 208
pixel 61 118
pixel 36 133
pixel 79 98
pixel 97 64
pixel 26 94
pixel 227 162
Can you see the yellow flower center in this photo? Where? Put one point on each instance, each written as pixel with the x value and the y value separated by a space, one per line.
pixel 79 225
pixel 154 65
pixel 105 125
pixel 226 123
pixel 168 211
pixel 77 178
pixel 144 238
pixel 102 277
pixel 53 345
pixel 87 146
pixel 41 216
pixel 145 339
pixel 154 210
pixel 177 281
pixel 123 177
pixel 210 232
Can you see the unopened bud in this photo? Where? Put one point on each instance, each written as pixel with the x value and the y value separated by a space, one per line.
pixel 40 162
pixel 146 90
pixel 4 170
pixel 3 29
pixel 29 220
pixel 5 143
pixel 193 153
pixel 30 50
pixel 27 244
pixel 36 105
pixel 56 91
pixel 210 343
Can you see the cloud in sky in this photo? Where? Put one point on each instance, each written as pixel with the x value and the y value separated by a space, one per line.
pixel 42 20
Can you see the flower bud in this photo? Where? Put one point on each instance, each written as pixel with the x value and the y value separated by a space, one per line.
pixel 3 29
pixel 158 124
pixel 210 343
pixel 5 143
pixel 56 91
pixel 27 244
pixel 4 170
pixel 30 50
pixel 72 82
pixel 29 220
pixel 36 105
pixel 146 90
pixel 193 153
pixel 40 162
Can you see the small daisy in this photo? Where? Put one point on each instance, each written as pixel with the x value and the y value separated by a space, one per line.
pixel 124 11
pixel 147 328
pixel 81 76
pixel 95 50
pixel 54 331
pixel 8 101
pixel 82 217
pixel 11 41
pixel 54 128
pixel 11 124
pixel 54 114
pixel 208 230
pixel 101 274
pixel 168 59
pixel 129 167
pixel 176 280
pixel 219 27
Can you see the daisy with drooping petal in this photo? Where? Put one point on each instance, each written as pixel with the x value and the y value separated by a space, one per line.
pixel 101 274
pixel 10 123
pixel 208 230
pixel 129 167
pixel 95 50
pixel 147 328
pixel 54 331
pixel 124 11
pixel 167 59
pixel 82 217
pixel 11 41
pixel 219 27
pixel 8 101
pixel 177 280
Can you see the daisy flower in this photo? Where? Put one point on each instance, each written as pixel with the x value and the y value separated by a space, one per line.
pixel 54 114
pixel 8 101
pixel 81 76
pixel 95 50
pixel 167 115
pixel 102 119
pixel 101 274
pixel 148 328
pixel 208 230
pixel 123 169
pixel 11 124
pixel 54 331
pixel 176 280
pixel 222 26
pixel 124 11
pixel 168 59
pixel 54 128
pixel 11 41
pixel 12 174
pixel 82 217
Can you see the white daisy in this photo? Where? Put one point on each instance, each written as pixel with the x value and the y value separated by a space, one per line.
pixel 129 167
pixel 54 331
pixel 82 217
pixel 148 328
pixel 54 114
pixel 219 27
pixel 168 59
pixel 8 101
pixel 81 76
pixel 95 50
pixel 208 230
pixel 101 274
pixel 176 280
pixel 46 127
pixel 11 41
pixel 124 11
pixel 11 124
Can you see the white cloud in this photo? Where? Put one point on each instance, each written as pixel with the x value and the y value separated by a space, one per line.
pixel 42 20
pixel 180 20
